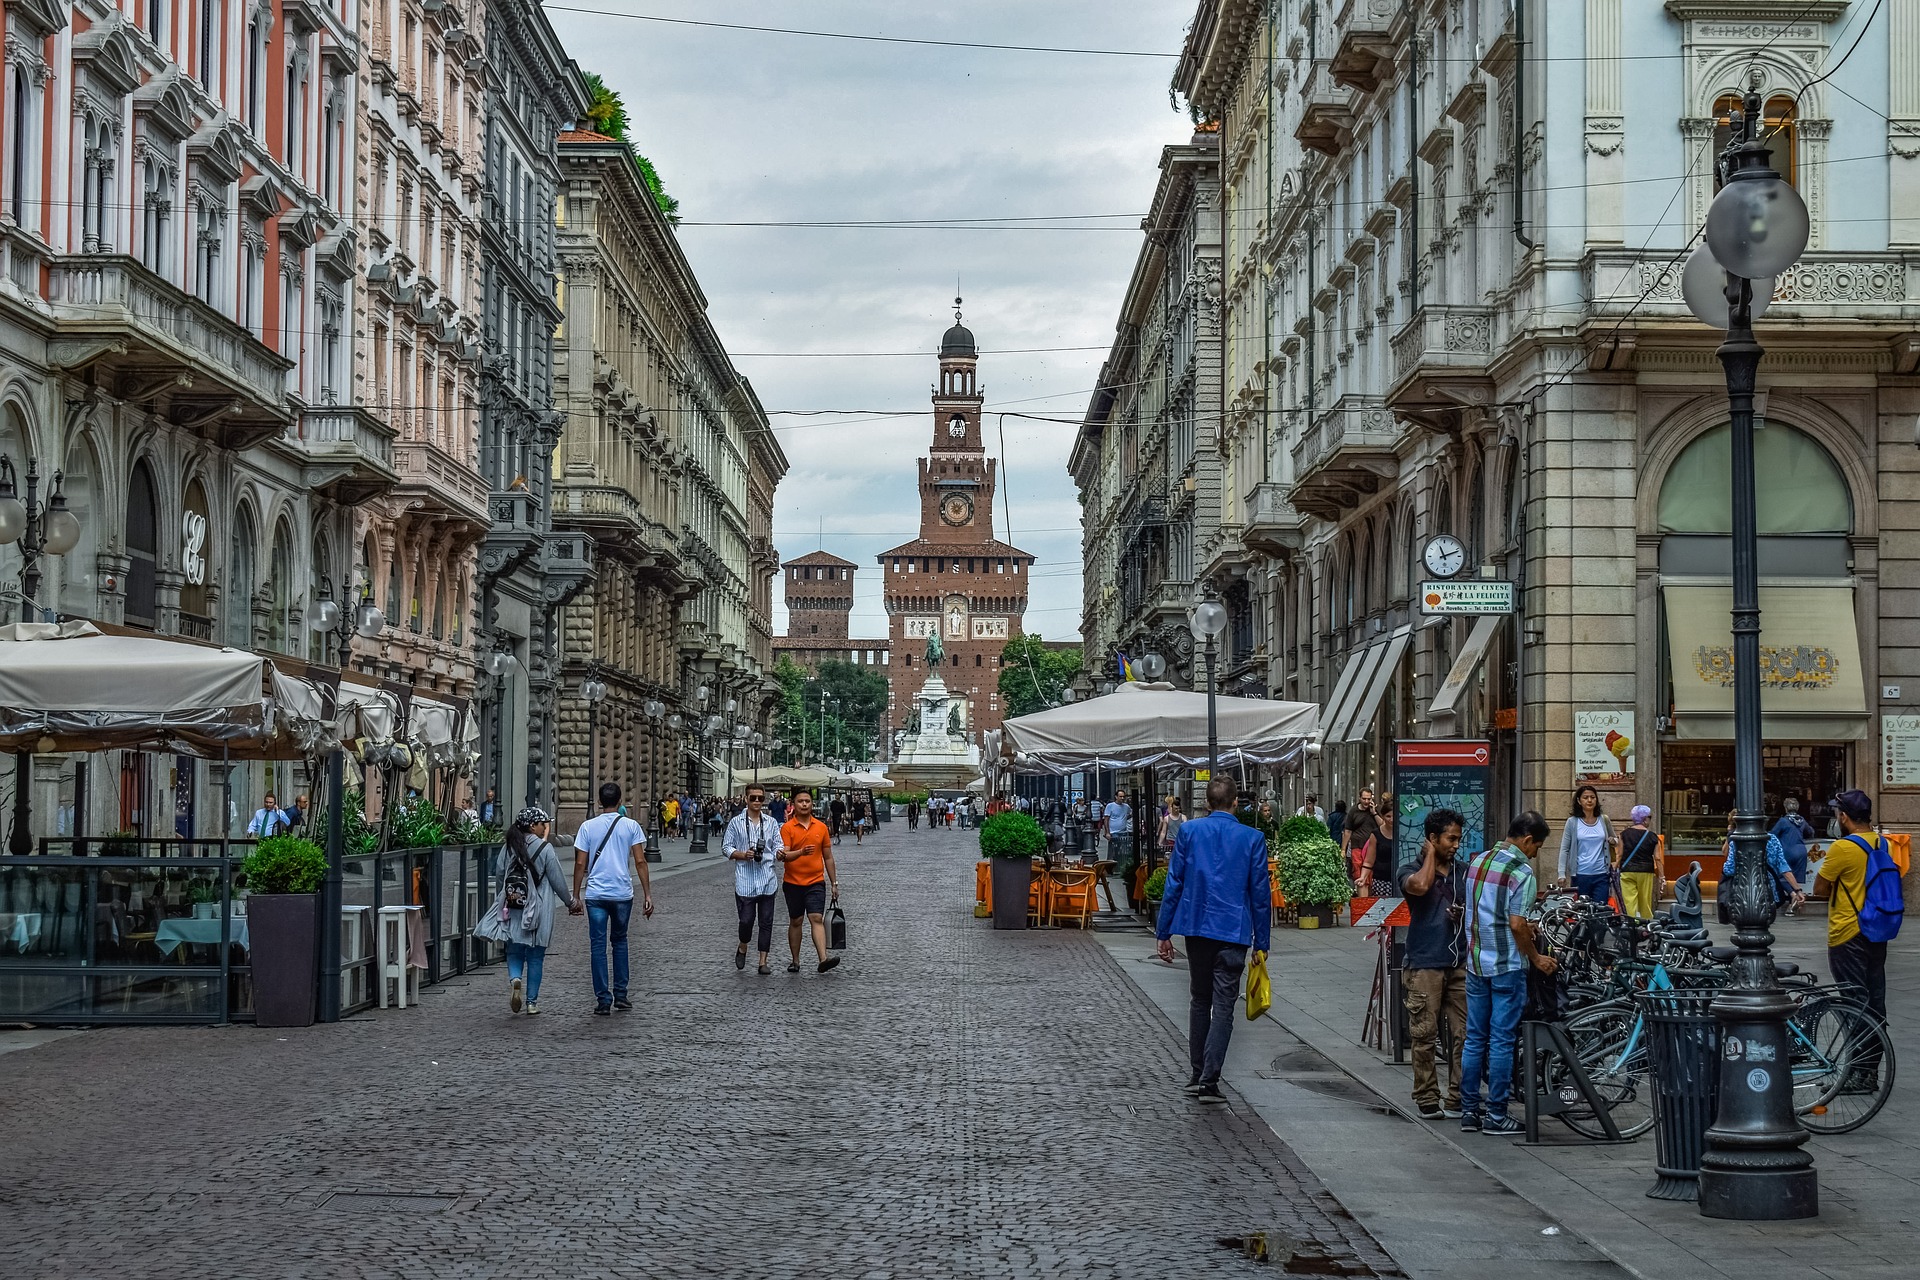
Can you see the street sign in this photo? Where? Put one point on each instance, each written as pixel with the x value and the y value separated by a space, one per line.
pixel 1467 597
pixel 1440 773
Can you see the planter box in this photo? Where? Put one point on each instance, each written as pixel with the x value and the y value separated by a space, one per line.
pixel 1320 917
pixel 284 930
pixel 1012 886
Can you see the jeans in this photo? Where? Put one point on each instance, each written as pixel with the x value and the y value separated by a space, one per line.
pixel 606 915
pixel 1436 998
pixel 1598 887
pixel 760 910
pixel 1213 982
pixel 1494 1006
pixel 524 960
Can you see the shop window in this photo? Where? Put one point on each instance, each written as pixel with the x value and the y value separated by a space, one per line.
pixel 281 632
pixel 240 583
pixel 1798 489
pixel 143 546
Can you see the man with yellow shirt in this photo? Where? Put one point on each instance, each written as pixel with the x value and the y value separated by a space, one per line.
pixel 1851 957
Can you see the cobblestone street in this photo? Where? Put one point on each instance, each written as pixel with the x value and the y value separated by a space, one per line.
pixel 951 1102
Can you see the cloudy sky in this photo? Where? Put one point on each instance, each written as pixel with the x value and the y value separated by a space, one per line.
pixel 752 127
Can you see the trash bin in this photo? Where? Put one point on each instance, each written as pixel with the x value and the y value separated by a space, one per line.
pixel 1683 1049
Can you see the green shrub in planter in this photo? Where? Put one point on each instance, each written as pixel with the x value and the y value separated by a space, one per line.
pixel 1312 874
pixel 1299 828
pixel 1157 885
pixel 417 825
pixel 1012 835
pixel 285 864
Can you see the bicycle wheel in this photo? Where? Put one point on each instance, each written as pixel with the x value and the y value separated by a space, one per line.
pixel 1610 1044
pixel 1842 1063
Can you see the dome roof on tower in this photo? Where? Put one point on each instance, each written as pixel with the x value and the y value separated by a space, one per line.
pixel 958 341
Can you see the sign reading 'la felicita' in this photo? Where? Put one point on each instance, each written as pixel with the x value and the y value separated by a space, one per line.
pixel 1468 596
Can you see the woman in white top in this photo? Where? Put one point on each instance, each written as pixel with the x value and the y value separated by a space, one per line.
pixel 1589 850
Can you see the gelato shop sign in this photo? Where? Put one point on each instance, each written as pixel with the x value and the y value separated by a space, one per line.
pixel 1603 743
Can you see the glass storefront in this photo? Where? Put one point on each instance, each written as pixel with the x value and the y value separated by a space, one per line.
pixel 1697 786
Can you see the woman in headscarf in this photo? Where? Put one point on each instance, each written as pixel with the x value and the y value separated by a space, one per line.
pixel 522 915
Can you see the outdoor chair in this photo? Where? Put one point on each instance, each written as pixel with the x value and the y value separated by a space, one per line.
pixel 1101 871
pixel 1037 895
pixel 1071 894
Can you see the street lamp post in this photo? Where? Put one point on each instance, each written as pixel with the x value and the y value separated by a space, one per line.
pixel 51 530
pixel 1755 1166
pixel 594 690
pixel 1208 619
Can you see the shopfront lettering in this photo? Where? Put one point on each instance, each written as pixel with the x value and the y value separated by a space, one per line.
pixel 1786 666
pixel 193 538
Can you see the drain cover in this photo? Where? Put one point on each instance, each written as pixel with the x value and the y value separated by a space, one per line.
pixel 383 1202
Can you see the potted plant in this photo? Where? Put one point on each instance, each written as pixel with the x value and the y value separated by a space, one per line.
pixel 283 874
pixel 1012 840
pixel 203 894
pixel 1313 879
pixel 1156 890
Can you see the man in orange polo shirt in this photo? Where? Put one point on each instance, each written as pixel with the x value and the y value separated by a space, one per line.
pixel 809 872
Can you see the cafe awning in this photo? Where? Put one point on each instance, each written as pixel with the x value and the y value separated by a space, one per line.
pixel 1139 725
pixel 432 723
pixel 68 687
pixel 1465 663
pixel 1342 690
pixel 1811 683
pixel 366 711
pixel 1367 705
pixel 1363 665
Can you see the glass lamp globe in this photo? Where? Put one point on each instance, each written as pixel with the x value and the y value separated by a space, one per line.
pixel 499 663
pixel 1703 282
pixel 1757 226
pixel 674 721
pixel 1153 666
pixel 372 622
pixel 63 530
pixel 1209 619
pixel 13 520
pixel 655 708
pixel 325 614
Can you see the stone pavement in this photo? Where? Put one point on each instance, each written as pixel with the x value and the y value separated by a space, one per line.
pixel 1869 1180
pixel 953 1102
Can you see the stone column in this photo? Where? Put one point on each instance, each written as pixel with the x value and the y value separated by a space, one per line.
pixel 1903 122
pixel 1606 126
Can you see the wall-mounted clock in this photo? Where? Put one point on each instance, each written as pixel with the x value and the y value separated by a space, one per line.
pixel 1444 556
pixel 956 508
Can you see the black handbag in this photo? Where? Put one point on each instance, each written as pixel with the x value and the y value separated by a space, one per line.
pixel 836 928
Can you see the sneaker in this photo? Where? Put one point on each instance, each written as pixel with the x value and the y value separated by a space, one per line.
pixel 623 1004
pixel 532 1007
pixel 1193 1087
pixel 1502 1126
pixel 603 1011
pixel 739 959
pixel 516 994
pixel 1469 1123
pixel 1452 1112
pixel 1209 1095
pixel 1431 1111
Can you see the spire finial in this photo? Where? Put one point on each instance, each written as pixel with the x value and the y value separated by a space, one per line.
pixel 956 309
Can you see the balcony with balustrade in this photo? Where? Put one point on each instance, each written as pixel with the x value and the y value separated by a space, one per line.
pixel 1271 523
pixel 345 452
pixel 1364 43
pixel 1326 112
pixel 1440 361
pixel 146 341
pixel 440 483
pixel 1346 454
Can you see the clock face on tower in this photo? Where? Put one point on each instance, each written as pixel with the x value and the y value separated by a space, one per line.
pixel 956 426
pixel 956 508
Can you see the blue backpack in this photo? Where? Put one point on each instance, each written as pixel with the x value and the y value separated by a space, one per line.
pixel 1882 905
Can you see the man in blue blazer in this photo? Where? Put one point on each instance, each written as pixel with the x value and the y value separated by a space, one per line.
pixel 1219 898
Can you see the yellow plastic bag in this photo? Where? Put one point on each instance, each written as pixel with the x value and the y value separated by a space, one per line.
pixel 1259 987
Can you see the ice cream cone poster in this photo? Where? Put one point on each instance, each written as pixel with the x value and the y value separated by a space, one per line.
pixel 1603 744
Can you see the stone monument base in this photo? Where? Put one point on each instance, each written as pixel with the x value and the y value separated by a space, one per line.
pixel 931 776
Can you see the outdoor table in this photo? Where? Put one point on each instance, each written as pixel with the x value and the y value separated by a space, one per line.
pixel 21 928
pixel 197 932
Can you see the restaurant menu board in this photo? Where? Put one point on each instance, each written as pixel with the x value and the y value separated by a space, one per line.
pixel 1430 774
pixel 1603 744
pixel 1900 751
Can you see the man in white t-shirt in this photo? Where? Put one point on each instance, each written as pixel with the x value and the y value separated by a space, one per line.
pixel 1312 809
pixel 608 852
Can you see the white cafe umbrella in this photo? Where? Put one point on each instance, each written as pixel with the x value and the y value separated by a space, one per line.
pixel 1138 725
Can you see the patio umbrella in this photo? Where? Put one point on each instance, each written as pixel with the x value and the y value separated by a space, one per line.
pixel 1139 725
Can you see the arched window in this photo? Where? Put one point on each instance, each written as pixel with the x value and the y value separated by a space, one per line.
pixel 1476 538
pixel 1363 605
pixel 1779 129
pixel 1347 594
pixel 143 546
pixel 196 549
pixel 74 571
pixel 318 642
pixel 1797 487
pixel 281 636
pixel 237 600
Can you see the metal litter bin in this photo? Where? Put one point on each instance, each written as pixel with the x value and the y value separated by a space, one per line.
pixel 1683 1049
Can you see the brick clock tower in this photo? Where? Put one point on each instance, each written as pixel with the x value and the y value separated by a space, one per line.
pixel 956 579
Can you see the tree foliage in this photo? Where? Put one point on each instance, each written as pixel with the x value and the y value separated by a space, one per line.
pixel 609 116
pixel 1032 675
pixel 856 708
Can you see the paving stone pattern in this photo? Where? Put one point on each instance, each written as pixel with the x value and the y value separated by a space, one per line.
pixel 951 1102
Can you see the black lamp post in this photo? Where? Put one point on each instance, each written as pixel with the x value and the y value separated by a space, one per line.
pixel 1208 619
pixel 51 530
pixel 594 690
pixel 1756 1166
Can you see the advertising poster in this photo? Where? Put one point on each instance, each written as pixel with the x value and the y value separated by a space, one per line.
pixel 1603 745
pixel 1430 773
pixel 1900 751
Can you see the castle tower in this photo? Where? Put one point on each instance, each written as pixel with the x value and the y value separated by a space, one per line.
pixel 819 596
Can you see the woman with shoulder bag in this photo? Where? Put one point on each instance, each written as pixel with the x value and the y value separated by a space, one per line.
pixel 1639 866
pixel 1588 848
pixel 521 916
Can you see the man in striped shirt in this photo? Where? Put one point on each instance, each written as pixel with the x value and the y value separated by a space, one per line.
pixel 1501 888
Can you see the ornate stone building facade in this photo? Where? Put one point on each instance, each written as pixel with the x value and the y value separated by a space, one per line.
pixel 633 345
pixel 1454 236
pixel 177 269
pixel 956 580
pixel 1146 458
